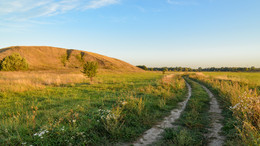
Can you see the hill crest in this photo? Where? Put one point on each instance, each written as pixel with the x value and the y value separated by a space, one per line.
pixel 45 57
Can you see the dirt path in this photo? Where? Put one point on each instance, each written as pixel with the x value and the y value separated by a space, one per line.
pixel 215 127
pixel 153 134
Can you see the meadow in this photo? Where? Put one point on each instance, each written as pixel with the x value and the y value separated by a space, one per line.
pixel 238 94
pixel 53 108
pixel 250 78
pixel 191 127
pixel 63 107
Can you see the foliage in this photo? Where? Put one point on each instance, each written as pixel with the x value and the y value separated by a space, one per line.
pixel 210 69
pixel 164 70
pixel 193 123
pixel 142 67
pixel 113 111
pixel 179 137
pixel 80 57
pixel 243 102
pixel 14 62
pixel 90 69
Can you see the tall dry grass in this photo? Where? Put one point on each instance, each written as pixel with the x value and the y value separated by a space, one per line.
pixel 245 104
pixel 35 80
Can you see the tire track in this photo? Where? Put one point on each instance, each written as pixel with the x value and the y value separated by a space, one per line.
pixel 153 134
pixel 215 139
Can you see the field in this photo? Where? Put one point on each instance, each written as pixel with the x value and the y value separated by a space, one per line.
pixel 252 78
pixel 118 107
pixel 239 95
pixel 65 108
pixel 129 73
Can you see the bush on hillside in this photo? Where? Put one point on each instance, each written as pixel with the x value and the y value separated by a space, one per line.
pixel 80 57
pixel 14 62
pixel 90 69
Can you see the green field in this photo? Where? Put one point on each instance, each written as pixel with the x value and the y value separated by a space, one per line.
pixel 48 108
pixel 238 94
pixel 252 78
pixel 117 108
pixel 193 123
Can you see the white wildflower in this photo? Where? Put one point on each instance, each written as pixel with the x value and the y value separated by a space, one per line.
pixel 124 103
pixel 62 129
pixel 41 133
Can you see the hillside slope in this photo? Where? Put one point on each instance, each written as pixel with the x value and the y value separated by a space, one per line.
pixel 43 57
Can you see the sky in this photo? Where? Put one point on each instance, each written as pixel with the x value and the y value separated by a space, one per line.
pixel 155 33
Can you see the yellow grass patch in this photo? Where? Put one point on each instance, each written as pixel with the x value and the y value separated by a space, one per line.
pixel 34 80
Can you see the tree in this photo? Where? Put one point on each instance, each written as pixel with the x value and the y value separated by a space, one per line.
pixel 90 69
pixel 252 68
pixel 142 67
pixel 164 70
pixel 14 62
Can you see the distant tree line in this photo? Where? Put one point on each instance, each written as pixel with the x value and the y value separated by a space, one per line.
pixel 210 69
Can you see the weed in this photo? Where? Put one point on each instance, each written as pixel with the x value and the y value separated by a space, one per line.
pixel 193 123
pixel 71 114
pixel 243 103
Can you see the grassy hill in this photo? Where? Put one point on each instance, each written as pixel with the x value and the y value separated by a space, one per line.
pixel 44 57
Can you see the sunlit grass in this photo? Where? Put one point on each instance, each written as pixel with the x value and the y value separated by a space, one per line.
pixel 240 94
pixel 191 127
pixel 252 78
pixel 117 107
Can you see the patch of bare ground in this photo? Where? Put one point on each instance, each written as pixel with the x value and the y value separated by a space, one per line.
pixel 215 139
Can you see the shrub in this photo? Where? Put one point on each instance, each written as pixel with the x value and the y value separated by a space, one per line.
pixel 142 67
pixel 80 57
pixel 90 69
pixel 14 62
pixel 164 70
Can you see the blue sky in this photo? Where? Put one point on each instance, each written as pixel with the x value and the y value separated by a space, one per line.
pixel 190 33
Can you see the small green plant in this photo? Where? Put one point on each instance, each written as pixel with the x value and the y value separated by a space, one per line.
pixel 113 120
pixel 90 69
pixel 162 102
pixel 14 62
pixel 64 59
pixel 180 136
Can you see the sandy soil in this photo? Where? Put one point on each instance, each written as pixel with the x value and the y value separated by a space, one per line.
pixel 215 139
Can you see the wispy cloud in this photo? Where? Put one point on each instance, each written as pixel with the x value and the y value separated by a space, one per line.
pixel 100 3
pixel 26 9
pixel 19 15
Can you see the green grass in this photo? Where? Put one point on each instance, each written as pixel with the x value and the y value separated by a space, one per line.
pixel 238 95
pixel 117 108
pixel 252 78
pixel 193 123
pixel 232 136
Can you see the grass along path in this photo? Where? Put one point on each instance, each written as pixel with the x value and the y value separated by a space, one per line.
pixel 239 122
pixel 153 134
pixel 118 108
pixel 215 126
pixel 192 126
